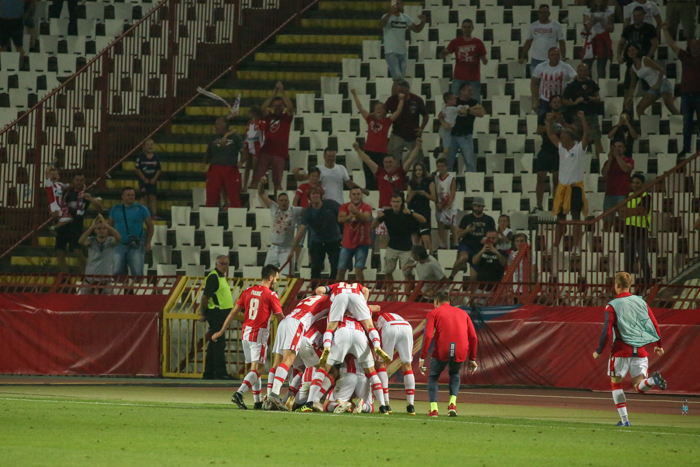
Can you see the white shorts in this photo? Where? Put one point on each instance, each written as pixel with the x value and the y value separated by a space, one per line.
pixel 308 354
pixel 349 384
pixel 255 352
pixel 446 216
pixel 277 256
pixel 353 342
pixel 354 304
pixel 398 337
pixel 635 366
pixel 289 334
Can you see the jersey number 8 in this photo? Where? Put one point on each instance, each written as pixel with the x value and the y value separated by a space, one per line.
pixel 253 308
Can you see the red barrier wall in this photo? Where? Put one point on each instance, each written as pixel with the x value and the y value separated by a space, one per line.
pixel 59 334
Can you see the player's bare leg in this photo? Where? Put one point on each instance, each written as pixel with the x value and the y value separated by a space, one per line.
pixel 282 362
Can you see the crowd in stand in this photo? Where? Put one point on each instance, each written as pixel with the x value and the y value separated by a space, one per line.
pixel 565 98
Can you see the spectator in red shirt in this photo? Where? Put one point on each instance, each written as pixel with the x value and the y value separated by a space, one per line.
pixel 275 150
pixel 455 340
pixel 357 217
pixel 378 125
pixel 468 52
pixel 301 197
pixel 406 127
pixel 616 172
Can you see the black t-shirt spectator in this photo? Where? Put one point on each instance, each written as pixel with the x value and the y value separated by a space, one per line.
pixel 641 36
pixel 489 269
pixel 464 125
pixel 149 167
pixel 405 125
pixel 322 223
pixel 585 89
pixel 420 203
pixel 73 200
pixel 400 226
pixel 473 238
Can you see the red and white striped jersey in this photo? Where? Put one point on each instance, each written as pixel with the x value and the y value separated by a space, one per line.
pixel 54 194
pixel 344 287
pixel 311 309
pixel 386 319
pixel 350 366
pixel 259 303
pixel 351 323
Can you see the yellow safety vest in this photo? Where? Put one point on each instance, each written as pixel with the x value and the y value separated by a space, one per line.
pixel 223 300
pixel 644 220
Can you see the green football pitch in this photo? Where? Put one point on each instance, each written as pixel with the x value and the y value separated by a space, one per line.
pixel 197 425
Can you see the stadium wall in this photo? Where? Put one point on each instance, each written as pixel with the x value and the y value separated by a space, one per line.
pixel 59 334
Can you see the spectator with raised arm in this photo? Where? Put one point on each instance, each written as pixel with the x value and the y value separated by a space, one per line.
pixel 462 134
pixel 583 94
pixel 100 248
pixel 148 170
pixel 469 52
pixel 599 23
pixel 285 219
pixel 490 262
pixel 616 172
pixel 646 69
pixel 544 34
pixel 408 126
pixel 333 177
pixel 690 86
pixel 549 78
pixel 221 163
pixel 641 33
pixel 356 216
pixel 378 126
pixel 128 218
pixel 394 25
pixel 624 131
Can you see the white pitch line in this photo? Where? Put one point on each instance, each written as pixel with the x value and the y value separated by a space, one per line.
pixel 398 417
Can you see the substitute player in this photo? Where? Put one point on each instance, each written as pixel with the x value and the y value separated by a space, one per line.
pixel 631 325
pixel 289 335
pixel 397 335
pixel 259 303
pixel 353 299
pixel 455 339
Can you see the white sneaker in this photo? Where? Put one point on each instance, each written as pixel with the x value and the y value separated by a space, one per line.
pixel 342 407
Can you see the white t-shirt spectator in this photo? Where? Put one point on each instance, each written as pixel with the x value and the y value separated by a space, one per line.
pixel 450 114
pixel 650 7
pixel 284 224
pixel 601 16
pixel 429 271
pixel 571 164
pixel 395 34
pixel 553 79
pixel 332 181
pixel 544 37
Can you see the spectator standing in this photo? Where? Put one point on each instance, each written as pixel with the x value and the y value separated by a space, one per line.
pixel 469 52
pixel 472 230
pixel 12 16
pixel 544 34
pixel 54 197
pixel 274 152
pixel 652 14
pixel 55 12
pixel 583 94
pixel 646 69
pixel 421 191
pixel 216 303
pixel 599 23
pixel 394 25
pixel 357 217
pixel 333 177
pixel 445 209
pixel 549 78
pixel 30 24
pixel 400 222
pixel 321 220
pixel 519 242
pixel 637 229
pixel 428 269
pixel 690 86
pixel 255 137
pixel 681 11
pixel 406 128
pixel 624 131
pixel 378 126
pixel 505 234
pixel 462 135
pixel 285 219
pixel 448 118
pixel 548 157
pixel 148 170
pixel 221 163
pixel 616 172
pixel 301 197
pixel 128 219
pixel 100 248
pixel 490 262
pixel 644 35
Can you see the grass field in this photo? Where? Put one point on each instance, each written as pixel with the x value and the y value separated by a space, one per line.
pixel 152 425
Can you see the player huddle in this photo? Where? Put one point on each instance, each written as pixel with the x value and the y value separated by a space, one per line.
pixel 330 343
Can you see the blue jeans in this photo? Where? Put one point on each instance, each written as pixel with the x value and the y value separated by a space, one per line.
pixel 690 106
pixel 436 368
pixel 125 256
pixel 397 65
pixel 466 145
pixel 346 255
pixel 458 83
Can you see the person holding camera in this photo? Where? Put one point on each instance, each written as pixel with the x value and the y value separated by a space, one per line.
pixel 490 262
pixel 128 219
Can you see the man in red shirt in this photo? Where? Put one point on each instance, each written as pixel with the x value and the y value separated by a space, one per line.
pixel 455 340
pixel 357 217
pixel 616 172
pixel 301 197
pixel 259 303
pixel 275 150
pixel 407 127
pixel 631 325
pixel 468 52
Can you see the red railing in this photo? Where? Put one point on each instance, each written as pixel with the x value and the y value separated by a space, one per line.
pixel 659 254
pixel 99 116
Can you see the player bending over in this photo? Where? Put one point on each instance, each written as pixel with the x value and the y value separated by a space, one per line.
pixel 353 299
pixel 352 382
pixel 259 303
pixel 397 334
pixel 631 325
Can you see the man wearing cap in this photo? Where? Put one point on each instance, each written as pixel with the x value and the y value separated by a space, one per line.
pixel 472 230
pixel 216 304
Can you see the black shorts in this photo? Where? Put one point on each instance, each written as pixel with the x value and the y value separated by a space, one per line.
pixel 423 229
pixel 11 29
pixel 546 162
pixel 148 189
pixel 68 235
pixel 576 204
